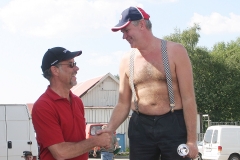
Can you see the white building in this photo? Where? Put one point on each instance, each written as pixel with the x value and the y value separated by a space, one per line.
pixel 99 96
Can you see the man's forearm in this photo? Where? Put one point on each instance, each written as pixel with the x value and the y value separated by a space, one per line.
pixel 118 116
pixel 67 150
pixel 190 116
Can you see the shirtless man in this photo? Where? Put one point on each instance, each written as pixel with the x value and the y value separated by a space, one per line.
pixel 155 131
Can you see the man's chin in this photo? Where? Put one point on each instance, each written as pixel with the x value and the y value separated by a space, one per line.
pixel 74 83
pixel 132 46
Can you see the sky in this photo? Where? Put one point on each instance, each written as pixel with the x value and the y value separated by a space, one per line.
pixel 28 28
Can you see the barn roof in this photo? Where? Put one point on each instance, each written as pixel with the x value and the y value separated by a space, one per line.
pixel 83 87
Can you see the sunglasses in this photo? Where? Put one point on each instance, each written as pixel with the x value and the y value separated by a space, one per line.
pixel 70 64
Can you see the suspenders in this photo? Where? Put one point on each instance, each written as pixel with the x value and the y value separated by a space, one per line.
pixel 167 72
pixel 131 72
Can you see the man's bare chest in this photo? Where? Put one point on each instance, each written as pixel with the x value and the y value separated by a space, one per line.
pixel 145 71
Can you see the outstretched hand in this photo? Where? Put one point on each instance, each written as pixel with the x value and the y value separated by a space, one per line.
pixel 108 132
pixel 105 140
pixel 193 150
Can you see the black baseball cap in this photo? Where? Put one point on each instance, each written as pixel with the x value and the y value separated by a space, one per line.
pixel 56 55
pixel 27 153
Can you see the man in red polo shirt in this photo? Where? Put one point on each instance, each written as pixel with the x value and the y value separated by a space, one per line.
pixel 58 114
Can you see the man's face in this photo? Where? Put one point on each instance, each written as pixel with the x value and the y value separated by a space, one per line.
pixel 67 73
pixel 29 157
pixel 131 33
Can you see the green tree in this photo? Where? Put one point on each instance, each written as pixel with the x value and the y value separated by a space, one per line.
pixel 188 38
pixel 227 84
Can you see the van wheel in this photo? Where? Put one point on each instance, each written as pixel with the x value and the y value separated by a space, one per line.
pixel 234 157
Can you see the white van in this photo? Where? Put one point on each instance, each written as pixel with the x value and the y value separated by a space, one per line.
pixel 222 143
pixel 16 132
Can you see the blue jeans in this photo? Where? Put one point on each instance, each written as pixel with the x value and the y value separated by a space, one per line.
pixel 106 156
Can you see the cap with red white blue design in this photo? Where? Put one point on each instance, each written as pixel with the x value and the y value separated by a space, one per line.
pixel 128 15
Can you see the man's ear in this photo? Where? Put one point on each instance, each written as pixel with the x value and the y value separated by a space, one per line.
pixel 54 70
pixel 142 24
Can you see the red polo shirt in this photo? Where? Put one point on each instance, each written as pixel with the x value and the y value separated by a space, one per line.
pixel 57 120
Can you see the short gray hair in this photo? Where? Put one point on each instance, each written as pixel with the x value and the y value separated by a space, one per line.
pixel 47 74
pixel 148 23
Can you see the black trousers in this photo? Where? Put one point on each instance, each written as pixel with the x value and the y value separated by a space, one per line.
pixel 152 137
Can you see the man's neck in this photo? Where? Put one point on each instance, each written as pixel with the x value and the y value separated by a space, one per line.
pixel 61 91
pixel 149 47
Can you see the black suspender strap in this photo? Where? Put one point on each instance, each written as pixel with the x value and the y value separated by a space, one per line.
pixel 131 72
pixel 168 74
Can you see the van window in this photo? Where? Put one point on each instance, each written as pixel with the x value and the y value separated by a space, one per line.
pixel 215 135
pixel 208 136
pixel 94 129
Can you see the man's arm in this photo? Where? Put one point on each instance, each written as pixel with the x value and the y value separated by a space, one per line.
pixel 186 88
pixel 121 110
pixel 67 150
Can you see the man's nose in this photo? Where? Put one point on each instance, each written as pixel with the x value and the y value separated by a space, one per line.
pixel 76 68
